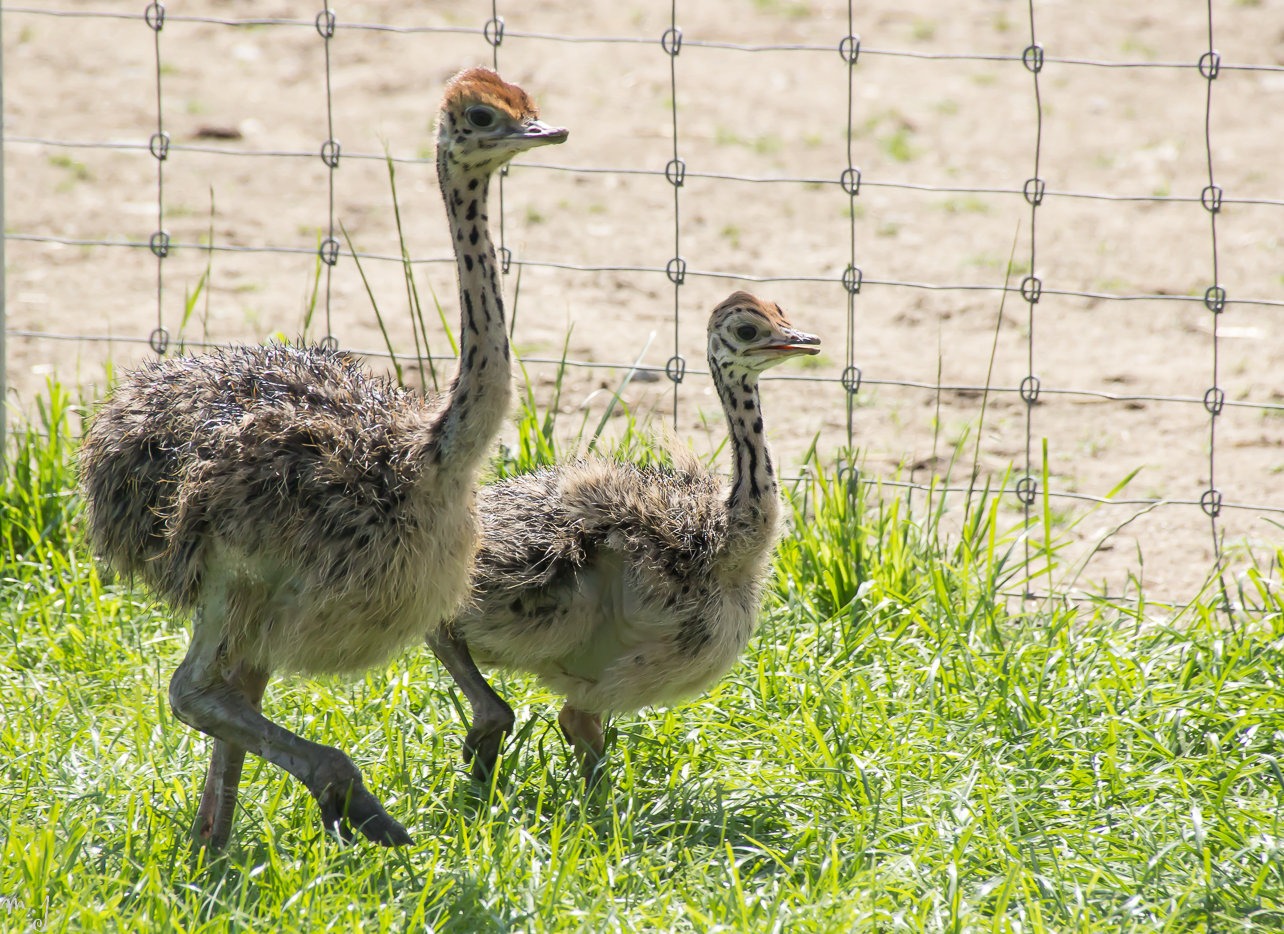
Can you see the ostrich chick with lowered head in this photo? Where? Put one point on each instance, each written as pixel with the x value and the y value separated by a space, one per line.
pixel 311 516
pixel 622 586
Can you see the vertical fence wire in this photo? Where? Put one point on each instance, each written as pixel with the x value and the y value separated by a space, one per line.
pixel 1215 300
pixel 1031 290
pixel 329 250
pixel 675 172
pixel 849 49
pixel 154 17
pixel 4 350
pixel 493 33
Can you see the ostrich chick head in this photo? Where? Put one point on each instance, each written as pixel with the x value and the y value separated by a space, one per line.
pixel 485 121
pixel 746 333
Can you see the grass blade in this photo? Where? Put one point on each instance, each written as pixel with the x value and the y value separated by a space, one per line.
pixel 375 304
pixel 615 397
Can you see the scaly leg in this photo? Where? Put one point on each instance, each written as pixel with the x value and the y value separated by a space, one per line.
pixel 201 697
pixel 492 717
pixel 583 730
pixel 213 824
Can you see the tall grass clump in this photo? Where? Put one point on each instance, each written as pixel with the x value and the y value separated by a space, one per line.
pixel 37 501
pixel 905 747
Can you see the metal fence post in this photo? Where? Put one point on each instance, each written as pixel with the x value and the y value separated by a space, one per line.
pixel 4 384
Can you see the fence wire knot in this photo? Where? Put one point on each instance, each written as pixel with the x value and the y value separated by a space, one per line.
pixel 505 259
pixel 676 368
pixel 849 49
pixel 154 15
pixel 852 278
pixel 1214 400
pixel 676 269
pixel 1215 299
pixel 1211 502
pixel 851 380
pixel 159 341
pixel 1033 191
pixel 330 153
pixel 1032 57
pixel 159 145
pixel 676 172
pixel 1210 63
pixel 329 251
pixel 850 180
pixel 1032 289
pixel 159 243
pixel 1026 490
pixel 671 41
pixel 1030 389
pixel 1211 198
pixel 493 31
pixel 326 23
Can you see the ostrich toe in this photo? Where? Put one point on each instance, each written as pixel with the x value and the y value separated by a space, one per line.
pixel 348 806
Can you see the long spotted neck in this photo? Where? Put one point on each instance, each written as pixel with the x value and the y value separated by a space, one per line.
pixel 753 504
pixel 480 390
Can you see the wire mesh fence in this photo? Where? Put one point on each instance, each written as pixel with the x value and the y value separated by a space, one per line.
pixel 486 30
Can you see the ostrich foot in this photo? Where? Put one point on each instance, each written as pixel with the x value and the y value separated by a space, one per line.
pixel 481 748
pixel 347 805
pixel 583 730
pixel 492 718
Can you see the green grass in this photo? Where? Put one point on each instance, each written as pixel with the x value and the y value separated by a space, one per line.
pixel 902 749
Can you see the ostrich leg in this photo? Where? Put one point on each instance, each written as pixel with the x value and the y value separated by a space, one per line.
pixel 213 823
pixel 492 717
pixel 202 697
pixel 583 730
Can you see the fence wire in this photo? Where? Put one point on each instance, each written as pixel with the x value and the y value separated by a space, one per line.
pixel 853 280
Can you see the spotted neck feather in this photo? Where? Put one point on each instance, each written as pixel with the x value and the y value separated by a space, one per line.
pixel 753 504
pixel 479 393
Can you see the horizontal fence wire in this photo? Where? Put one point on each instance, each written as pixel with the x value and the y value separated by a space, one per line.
pixel 791 478
pixel 142 147
pixel 658 270
pixel 572 363
pixel 1032 58
pixel 247 22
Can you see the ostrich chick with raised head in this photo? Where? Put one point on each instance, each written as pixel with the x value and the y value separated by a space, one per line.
pixel 312 517
pixel 622 586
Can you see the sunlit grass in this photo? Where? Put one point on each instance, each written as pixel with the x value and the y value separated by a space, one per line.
pixel 903 748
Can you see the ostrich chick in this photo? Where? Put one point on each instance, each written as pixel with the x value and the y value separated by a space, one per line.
pixel 624 586
pixel 310 516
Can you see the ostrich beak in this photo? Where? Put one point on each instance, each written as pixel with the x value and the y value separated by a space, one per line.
pixel 795 343
pixel 536 133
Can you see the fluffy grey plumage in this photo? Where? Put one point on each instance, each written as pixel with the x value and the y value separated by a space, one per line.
pixel 623 586
pixel 295 452
pixel 557 541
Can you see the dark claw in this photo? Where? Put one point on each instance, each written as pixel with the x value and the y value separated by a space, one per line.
pixel 481 751
pixel 361 810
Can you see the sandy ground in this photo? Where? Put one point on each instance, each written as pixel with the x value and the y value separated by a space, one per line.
pixel 945 123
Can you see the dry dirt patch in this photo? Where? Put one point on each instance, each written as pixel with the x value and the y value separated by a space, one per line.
pixel 944 123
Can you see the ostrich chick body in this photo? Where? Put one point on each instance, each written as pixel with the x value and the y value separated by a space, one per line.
pixel 624 586
pixel 310 516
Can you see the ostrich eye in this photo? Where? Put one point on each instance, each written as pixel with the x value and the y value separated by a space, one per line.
pixel 481 117
pixel 746 332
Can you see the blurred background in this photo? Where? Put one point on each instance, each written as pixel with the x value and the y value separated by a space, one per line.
pixel 940 116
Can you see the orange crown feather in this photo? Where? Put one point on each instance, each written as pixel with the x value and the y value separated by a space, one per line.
pixel 481 85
